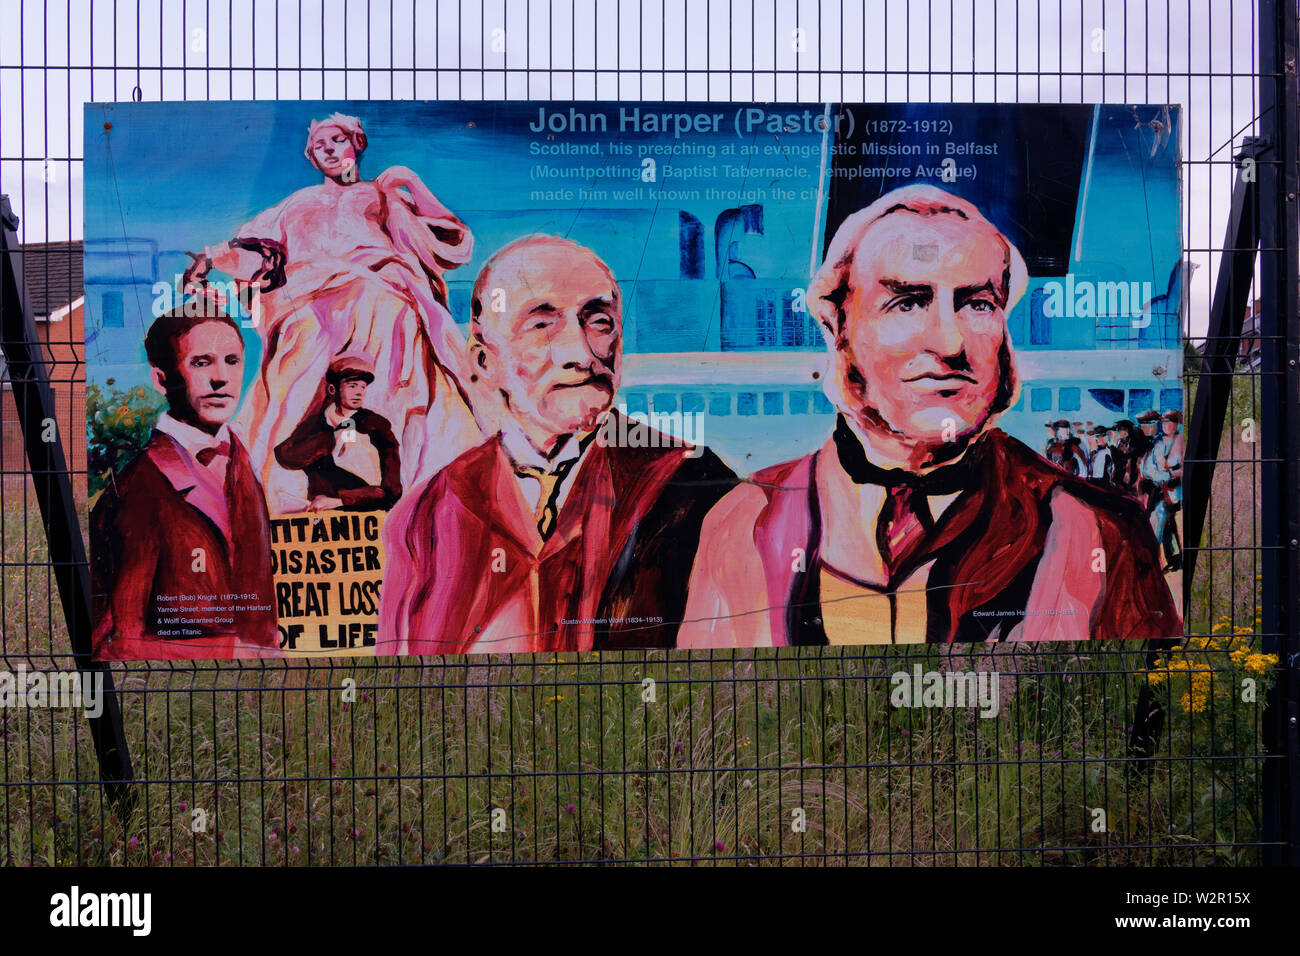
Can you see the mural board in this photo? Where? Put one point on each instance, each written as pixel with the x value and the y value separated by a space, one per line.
pixel 446 377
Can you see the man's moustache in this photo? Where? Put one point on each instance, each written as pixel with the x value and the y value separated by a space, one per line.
pixel 599 380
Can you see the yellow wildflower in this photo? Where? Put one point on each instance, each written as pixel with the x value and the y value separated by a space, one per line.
pixel 1261 663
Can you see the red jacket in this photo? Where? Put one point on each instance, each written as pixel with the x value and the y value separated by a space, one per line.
pixel 146 576
pixel 466 568
pixel 986 549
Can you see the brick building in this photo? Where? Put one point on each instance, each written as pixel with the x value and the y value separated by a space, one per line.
pixel 52 272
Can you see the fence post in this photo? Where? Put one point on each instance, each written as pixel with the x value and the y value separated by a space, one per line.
pixel 1205 425
pixel 1222 347
pixel 34 401
pixel 1280 446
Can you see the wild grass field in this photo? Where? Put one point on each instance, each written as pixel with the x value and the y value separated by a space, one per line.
pixel 731 758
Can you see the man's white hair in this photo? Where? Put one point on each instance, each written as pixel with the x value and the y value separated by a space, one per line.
pixel 832 282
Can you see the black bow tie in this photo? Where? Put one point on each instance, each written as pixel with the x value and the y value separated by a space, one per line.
pixel 941 481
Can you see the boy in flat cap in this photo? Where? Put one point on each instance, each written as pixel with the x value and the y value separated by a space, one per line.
pixel 349 453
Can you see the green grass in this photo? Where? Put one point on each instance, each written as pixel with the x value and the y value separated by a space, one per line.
pixel 713 769
pixel 1225 580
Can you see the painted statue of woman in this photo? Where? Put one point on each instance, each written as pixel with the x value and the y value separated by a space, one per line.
pixel 352 265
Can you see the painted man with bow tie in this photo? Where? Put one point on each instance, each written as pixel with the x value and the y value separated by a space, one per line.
pixel 550 535
pixel 181 564
pixel 918 520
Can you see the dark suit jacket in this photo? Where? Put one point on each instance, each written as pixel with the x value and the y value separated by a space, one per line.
pixel 621 551
pixel 310 448
pixel 145 528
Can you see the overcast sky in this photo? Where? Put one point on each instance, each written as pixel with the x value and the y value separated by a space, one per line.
pixel 57 55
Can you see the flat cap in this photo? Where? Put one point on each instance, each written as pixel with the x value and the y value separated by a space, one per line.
pixel 352 365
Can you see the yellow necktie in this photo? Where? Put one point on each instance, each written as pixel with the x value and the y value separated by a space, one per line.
pixel 547 513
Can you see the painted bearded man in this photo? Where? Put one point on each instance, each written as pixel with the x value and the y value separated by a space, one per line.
pixel 918 520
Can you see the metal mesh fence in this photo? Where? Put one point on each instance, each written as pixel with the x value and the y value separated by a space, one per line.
pixel 718 757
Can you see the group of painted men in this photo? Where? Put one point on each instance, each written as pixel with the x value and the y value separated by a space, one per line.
pixel 1142 460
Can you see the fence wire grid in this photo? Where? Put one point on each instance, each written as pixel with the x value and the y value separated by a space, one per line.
pixel 725 757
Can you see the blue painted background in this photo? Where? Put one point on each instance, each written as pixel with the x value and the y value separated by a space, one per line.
pixel 711 321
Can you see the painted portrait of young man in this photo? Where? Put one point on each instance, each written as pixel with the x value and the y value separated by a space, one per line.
pixel 181 566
